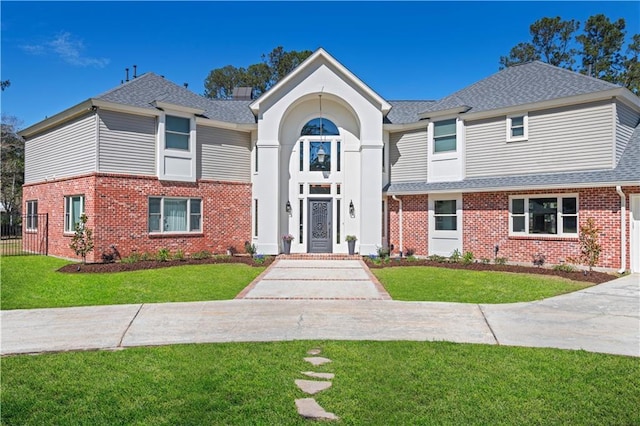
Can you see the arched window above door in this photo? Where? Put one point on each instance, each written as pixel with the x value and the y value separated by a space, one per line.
pixel 314 126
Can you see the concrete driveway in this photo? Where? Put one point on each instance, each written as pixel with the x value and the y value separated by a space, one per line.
pixel 604 318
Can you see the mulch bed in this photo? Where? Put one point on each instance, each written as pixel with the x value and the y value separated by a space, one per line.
pixel 76 268
pixel 591 277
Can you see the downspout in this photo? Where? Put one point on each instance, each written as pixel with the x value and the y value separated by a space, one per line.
pixel 623 230
pixel 399 222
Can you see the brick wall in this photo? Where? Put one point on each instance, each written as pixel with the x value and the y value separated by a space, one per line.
pixel 486 223
pixel 117 207
pixel 415 211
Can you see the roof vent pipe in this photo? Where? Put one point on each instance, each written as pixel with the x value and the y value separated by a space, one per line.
pixel 623 229
pixel 135 71
pixel 126 70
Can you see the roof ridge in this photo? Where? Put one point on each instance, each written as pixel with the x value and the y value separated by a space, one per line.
pixel 575 73
pixel 126 83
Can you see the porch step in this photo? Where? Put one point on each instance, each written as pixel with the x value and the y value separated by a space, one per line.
pixel 319 256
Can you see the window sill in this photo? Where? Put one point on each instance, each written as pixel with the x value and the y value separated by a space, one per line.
pixel 542 237
pixel 517 140
pixel 175 234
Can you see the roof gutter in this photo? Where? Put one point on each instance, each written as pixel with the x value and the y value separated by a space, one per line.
pixel 623 230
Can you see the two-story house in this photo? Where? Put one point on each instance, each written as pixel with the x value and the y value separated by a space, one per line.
pixel 510 166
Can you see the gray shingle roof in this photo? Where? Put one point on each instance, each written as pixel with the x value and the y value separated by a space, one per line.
pixel 149 87
pixel 627 171
pixel 519 85
pixel 403 112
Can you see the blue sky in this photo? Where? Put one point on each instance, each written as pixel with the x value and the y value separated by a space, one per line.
pixel 58 54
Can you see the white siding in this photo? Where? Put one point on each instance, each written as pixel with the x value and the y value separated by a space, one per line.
pixel 408 156
pixel 223 154
pixel 127 143
pixel 626 122
pixel 66 150
pixel 560 139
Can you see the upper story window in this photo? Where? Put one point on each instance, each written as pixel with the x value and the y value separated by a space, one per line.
pixel 177 132
pixel 444 136
pixel 73 209
pixel 32 215
pixel 544 214
pixel 175 214
pixel 517 127
pixel 320 126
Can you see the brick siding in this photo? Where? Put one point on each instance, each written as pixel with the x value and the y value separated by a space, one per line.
pixel 117 209
pixel 486 224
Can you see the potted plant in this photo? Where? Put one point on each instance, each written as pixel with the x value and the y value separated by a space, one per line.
pixel 286 243
pixel 351 242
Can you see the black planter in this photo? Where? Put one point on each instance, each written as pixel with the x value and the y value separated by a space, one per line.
pixel 352 246
pixel 286 247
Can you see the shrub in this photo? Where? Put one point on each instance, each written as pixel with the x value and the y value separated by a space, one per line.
pixel 132 258
pixel 538 260
pixel 485 260
pixel 351 238
pixel 437 258
pixel 468 258
pixel 589 247
pixel 147 256
pixel 410 252
pixel 163 255
pixel 204 254
pixel 111 255
pixel 455 256
pixel 82 241
pixel 250 248
pixel 178 255
pixel 383 252
pixel 565 267
pixel 500 260
pixel 259 259
pixel 412 258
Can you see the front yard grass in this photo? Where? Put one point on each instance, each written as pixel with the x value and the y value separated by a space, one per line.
pixel 32 282
pixel 424 283
pixel 376 383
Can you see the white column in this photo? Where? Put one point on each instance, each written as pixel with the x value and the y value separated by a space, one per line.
pixel 369 210
pixel 266 190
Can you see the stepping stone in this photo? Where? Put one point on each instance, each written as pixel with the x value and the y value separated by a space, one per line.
pixel 319 375
pixel 310 409
pixel 314 351
pixel 317 360
pixel 312 387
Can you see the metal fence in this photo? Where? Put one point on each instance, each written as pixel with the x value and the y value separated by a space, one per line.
pixel 28 237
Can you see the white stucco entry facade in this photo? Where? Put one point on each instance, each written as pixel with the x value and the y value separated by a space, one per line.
pixel 290 194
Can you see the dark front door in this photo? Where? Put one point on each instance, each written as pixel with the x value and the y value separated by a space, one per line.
pixel 320 226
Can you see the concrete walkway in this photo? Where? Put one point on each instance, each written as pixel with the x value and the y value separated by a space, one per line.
pixel 604 318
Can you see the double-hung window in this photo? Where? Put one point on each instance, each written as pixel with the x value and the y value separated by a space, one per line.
pixel 444 213
pixel 517 127
pixel 32 215
pixel 444 136
pixel 73 209
pixel 177 131
pixel 544 215
pixel 175 214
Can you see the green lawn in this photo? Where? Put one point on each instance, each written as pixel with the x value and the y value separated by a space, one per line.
pixel 424 283
pixel 32 282
pixel 376 383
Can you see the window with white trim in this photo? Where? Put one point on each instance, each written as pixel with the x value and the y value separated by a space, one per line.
pixel 517 127
pixel 175 214
pixel 444 136
pixel 444 213
pixel 73 209
pixel 543 215
pixel 177 147
pixel 177 132
pixel 32 215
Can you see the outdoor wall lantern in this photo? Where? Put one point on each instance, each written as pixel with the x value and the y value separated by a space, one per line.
pixel 287 207
pixel 321 154
pixel 352 210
